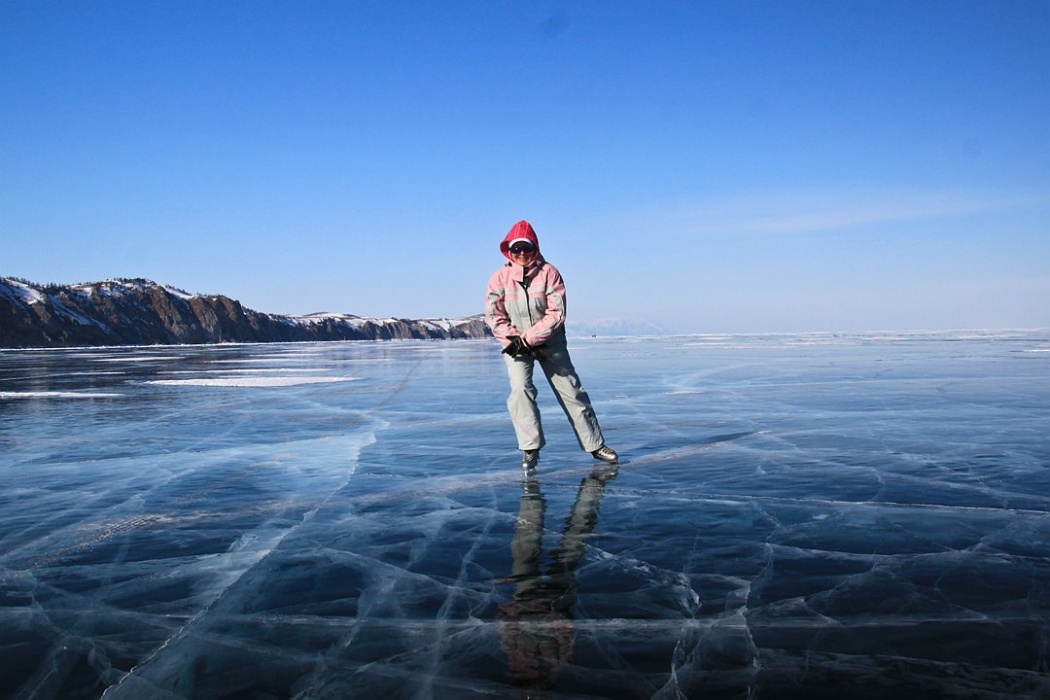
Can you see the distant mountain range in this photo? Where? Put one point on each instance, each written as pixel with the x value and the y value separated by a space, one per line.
pixel 142 312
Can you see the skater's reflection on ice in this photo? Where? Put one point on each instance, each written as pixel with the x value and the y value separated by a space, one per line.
pixel 536 629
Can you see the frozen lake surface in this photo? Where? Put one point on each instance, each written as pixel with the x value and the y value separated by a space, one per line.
pixel 796 517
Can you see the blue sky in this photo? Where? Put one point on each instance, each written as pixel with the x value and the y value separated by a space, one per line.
pixel 731 166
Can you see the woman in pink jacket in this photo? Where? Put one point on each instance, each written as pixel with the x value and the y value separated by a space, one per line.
pixel 525 308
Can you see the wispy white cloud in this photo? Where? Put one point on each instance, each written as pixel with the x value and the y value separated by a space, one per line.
pixel 828 210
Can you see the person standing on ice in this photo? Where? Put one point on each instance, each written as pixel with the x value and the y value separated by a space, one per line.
pixel 525 308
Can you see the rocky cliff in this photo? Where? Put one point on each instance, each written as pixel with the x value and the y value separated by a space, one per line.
pixel 141 312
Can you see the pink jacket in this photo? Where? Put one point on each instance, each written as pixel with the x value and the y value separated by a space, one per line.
pixel 525 301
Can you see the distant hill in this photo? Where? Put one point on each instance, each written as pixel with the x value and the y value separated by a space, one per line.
pixel 142 312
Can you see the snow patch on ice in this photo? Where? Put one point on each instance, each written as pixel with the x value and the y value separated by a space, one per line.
pixel 250 381
pixel 5 395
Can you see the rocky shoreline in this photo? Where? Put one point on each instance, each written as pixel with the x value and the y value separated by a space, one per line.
pixel 143 312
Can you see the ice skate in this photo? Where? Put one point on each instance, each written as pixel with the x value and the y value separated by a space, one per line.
pixel 529 459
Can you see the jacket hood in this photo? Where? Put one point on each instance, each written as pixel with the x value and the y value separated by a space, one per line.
pixel 521 231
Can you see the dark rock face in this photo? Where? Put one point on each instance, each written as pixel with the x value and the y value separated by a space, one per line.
pixel 141 312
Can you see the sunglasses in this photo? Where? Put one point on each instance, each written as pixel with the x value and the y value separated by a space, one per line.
pixel 522 250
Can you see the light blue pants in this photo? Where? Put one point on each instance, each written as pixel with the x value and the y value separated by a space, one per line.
pixel 561 375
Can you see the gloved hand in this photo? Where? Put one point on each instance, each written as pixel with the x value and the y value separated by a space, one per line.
pixel 517 346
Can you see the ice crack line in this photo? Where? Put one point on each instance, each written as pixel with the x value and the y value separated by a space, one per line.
pixel 251 565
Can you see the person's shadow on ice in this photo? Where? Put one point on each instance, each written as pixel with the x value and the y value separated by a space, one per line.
pixel 536 629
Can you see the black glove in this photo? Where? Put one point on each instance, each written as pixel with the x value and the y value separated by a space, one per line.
pixel 517 346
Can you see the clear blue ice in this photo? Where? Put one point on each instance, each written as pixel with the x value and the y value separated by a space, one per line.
pixel 821 516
